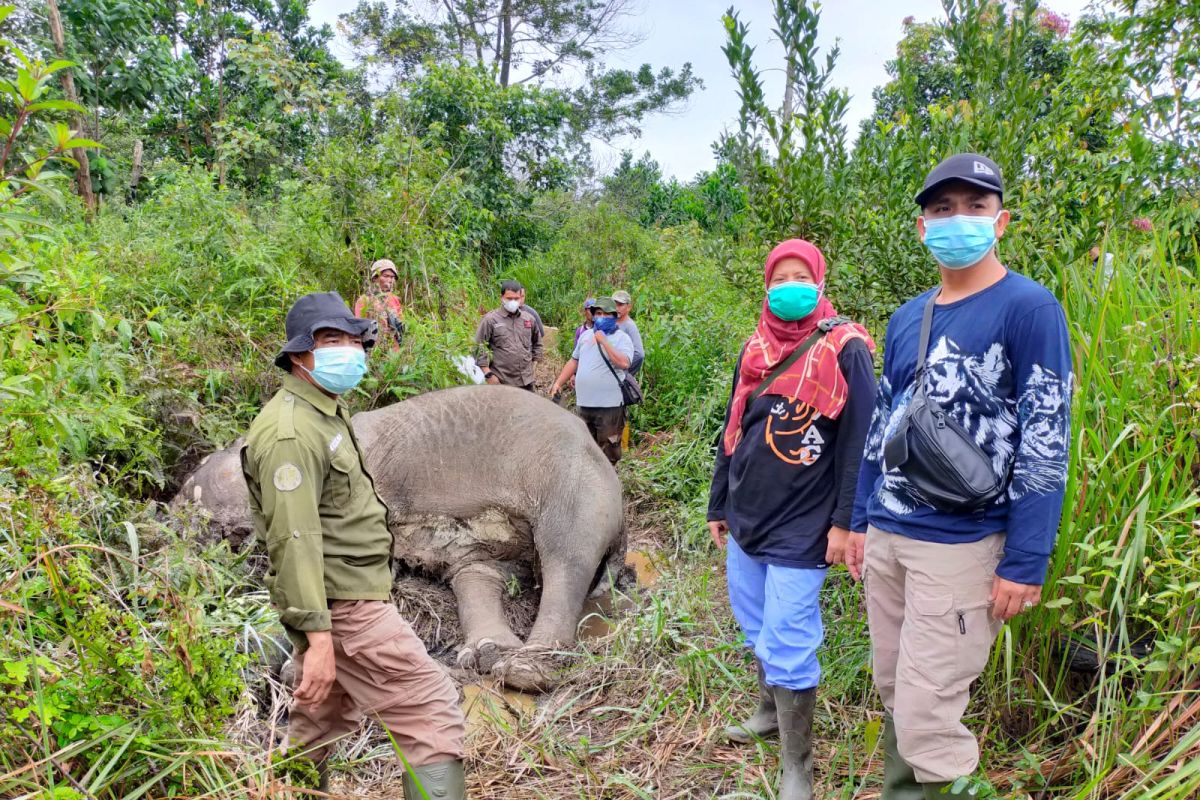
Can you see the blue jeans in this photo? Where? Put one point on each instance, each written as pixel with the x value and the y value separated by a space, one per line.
pixel 778 610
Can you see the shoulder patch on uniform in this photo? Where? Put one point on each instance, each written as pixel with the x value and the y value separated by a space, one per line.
pixel 287 478
pixel 334 442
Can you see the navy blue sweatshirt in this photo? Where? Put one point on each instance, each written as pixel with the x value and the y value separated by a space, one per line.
pixel 794 473
pixel 999 362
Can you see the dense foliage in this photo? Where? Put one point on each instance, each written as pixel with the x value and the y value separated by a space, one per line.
pixel 137 339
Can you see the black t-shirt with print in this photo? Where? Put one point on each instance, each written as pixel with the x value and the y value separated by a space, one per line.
pixel 794 473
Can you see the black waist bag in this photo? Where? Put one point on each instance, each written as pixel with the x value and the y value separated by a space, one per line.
pixel 933 452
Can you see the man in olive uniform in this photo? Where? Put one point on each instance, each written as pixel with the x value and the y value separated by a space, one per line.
pixel 512 336
pixel 330 574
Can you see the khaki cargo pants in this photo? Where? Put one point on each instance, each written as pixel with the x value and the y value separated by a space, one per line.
pixel 931 635
pixel 384 673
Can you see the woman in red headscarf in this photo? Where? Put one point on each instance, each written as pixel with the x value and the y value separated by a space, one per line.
pixel 783 490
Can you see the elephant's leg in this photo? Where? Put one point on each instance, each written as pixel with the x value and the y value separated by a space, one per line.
pixel 610 570
pixel 479 589
pixel 565 584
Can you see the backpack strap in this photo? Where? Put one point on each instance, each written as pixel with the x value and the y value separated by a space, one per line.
pixel 823 327
pixel 829 323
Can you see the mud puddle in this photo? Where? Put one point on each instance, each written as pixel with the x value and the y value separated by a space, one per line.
pixel 489 705
pixel 598 612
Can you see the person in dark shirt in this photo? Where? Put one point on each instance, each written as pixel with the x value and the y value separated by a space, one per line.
pixel 943 580
pixel 783 490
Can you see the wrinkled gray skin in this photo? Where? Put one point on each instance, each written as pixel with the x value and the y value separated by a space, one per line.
pixel 477 480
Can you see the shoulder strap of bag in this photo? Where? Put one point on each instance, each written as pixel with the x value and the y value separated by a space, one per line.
pixel 926 327
pixel 823 327
pixel 895 449
pixel 608 364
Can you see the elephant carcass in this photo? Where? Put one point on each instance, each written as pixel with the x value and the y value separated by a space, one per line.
pixel 477 479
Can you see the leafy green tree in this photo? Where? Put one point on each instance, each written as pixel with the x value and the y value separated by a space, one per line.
pixel 938 63
pixel 125 54
pixel 631 184
pixel 713 200
pixel 526 42
pixel 278 108
pixel 25 157
pixel 1154 48
pixel 256 75
pixel 793 159
pixel 507 142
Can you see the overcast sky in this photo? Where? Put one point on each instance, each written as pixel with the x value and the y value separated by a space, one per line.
pixel 678 31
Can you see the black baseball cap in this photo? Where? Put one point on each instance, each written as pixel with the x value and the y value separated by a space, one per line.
pixel 970 168
pixel 320 310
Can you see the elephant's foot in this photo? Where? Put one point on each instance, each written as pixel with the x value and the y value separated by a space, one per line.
pixel 483 654
pixel 531 669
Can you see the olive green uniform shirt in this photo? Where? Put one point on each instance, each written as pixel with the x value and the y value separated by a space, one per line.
pixel 316 508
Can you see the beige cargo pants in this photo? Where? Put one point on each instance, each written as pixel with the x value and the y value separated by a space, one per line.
pixel 384 673
pixel 931 635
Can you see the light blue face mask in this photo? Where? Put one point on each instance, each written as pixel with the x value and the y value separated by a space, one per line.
pixel 338 369
pixel 960 241
pixel 793 300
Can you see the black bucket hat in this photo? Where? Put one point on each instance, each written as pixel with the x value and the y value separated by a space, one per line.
pixel 320 310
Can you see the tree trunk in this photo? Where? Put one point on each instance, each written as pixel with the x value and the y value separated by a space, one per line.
pixel 135 177
pixel 789 92
pixel 68 82
pixel 504 51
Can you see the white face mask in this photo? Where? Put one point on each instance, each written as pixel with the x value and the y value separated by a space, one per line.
pixel 511 306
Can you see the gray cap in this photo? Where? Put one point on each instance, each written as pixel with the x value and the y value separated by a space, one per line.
pixel 320 310
pixel 622 297
pixel 970 168
pixel 605 304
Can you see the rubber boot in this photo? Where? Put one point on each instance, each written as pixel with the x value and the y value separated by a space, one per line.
pixel 899 782
pixel 795 710
pixel 444 780
pixel 763 722
pixel 942 791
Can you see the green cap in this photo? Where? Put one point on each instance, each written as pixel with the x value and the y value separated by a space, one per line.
pixel 605 304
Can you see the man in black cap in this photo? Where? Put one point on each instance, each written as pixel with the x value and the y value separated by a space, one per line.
pixel 330 573
pixel 986 355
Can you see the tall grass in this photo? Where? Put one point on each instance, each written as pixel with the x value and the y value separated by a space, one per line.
pixel 1126 569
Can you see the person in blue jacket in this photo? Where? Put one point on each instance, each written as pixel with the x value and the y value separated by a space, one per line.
pixel 940 583
pixel 783 490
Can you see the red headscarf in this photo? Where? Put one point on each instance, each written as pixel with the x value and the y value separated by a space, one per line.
pixel 816 378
